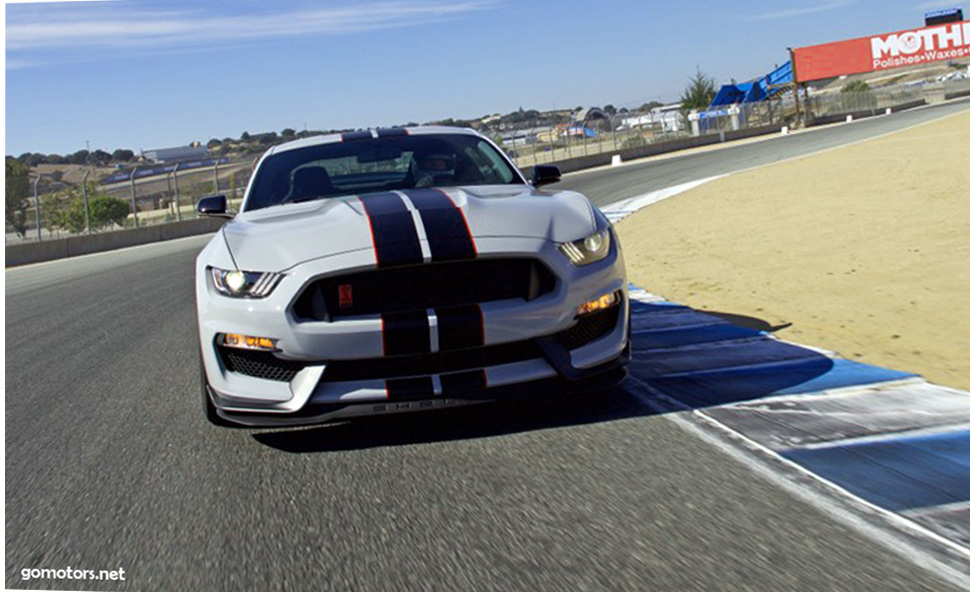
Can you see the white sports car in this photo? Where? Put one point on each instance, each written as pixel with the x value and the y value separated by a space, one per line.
pixel 399 270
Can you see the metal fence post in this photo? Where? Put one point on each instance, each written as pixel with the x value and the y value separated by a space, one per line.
pixel 216 177
pixel 535 160
pixel 87 207
pixel 175 180
pixel 37 206
pixel 134 205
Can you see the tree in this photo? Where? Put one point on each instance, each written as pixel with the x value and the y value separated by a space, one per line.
pixel 57 206
pixel 122 155
pixel 650 105
pixel 65 209
pixel 213 143
pixel 16 189
pixel 267 138
pixel 244 137
pixel 288 132
pixel 31 159
pixel 609 110
pixel 100 157
pixel 699 93
pixel 107 210
pixel 79 157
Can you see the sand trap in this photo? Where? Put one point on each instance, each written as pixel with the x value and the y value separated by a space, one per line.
pixel 864 249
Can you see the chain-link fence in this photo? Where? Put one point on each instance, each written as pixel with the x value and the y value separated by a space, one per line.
pixel 610 133
pixel 91 207
pixel 863 102
pixel 606 133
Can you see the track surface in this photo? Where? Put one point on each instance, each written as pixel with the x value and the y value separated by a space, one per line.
pixel 110 464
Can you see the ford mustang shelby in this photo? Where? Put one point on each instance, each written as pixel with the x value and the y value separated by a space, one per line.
pixel 402 269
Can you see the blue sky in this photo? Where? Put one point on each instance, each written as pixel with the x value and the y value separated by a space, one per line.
pixel 147 74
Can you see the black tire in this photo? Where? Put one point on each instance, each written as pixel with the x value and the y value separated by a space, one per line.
pixel 210 409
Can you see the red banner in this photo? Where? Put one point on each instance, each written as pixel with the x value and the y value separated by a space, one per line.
pixel 882 52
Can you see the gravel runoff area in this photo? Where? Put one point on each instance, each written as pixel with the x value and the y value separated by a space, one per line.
pixel 862 249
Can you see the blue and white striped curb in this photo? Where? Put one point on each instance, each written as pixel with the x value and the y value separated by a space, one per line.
pixel 619 210
pixel 886 437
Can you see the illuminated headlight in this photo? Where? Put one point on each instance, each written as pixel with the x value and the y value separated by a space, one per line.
pixel 591 249
pixel 246 342
pixel 244 284
pixel 602 303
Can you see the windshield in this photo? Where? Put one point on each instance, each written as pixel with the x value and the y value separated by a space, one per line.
pixel 379 164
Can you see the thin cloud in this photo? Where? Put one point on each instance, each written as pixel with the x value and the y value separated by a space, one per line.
pixel 802 11
pixel 144 29
pixel 936 4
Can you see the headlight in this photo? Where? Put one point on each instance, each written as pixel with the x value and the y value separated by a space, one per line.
pixel 591 249
pixel 244 284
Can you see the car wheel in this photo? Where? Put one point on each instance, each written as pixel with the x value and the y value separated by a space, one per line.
pixel 210 409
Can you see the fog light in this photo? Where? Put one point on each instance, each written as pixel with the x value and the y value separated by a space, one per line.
pixel 247 342
pixel 603 302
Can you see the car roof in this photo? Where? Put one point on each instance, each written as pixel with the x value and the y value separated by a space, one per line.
pixel 334 138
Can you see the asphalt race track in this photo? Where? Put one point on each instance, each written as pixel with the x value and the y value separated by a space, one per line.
pixel 110 463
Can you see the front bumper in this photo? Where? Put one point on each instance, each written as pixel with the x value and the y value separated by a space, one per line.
pixel 524 342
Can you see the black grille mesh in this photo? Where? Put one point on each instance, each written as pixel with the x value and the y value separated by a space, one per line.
pixel 420 287
pixel 259 364
pixel 267 366
pixel 589 328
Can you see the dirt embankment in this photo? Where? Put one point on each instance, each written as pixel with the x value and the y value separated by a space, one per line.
pixel 865 250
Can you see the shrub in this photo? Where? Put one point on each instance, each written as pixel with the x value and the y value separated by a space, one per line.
pixel 16 188
pixel 858 96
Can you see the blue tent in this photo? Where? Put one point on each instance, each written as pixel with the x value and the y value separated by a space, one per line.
pixel 757 90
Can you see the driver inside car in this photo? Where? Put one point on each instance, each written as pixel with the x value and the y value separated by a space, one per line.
pixel 434 169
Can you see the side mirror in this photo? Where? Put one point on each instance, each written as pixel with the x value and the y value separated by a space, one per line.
pixel 213 205
pixel 544 174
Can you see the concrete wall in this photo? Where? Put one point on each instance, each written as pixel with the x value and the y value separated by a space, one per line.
pixel 106 241
pixel 835 118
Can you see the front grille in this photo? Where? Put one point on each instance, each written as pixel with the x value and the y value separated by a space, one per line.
pixel 589 328
pixel 265 365
pixel 259 364
pixel 420 287
pixel 436 363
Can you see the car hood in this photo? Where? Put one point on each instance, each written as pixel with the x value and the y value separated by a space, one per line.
pixel 279 237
